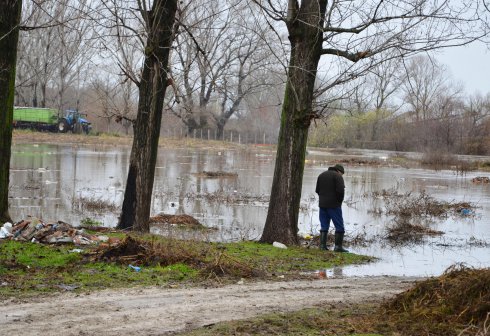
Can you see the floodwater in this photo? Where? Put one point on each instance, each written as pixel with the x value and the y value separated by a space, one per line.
pixel 54 182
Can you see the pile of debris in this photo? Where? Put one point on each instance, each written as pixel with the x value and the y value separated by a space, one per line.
pixel 480 179
pixel 35 230
pixel 176 220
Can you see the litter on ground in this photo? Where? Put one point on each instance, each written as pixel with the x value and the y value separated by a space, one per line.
pixel 36 230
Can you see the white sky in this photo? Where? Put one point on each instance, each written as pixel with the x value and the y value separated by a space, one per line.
pixel 469 65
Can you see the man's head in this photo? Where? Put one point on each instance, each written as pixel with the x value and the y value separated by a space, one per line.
pixel 339 168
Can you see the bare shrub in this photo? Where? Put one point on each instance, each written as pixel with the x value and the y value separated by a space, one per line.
pixel 404 232
pixel 92 204
pixel 419 205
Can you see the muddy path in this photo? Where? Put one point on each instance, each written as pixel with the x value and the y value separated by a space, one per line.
pixel 157 311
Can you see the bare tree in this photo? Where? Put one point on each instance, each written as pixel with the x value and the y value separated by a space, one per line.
pixel 75 37
pixel 243 75
pixel 106 93
pixel 475 128
pixel 201 59
pixel 386 80
pixel 355 35
pixel 426 79
pixel 9 35
pixel 36 55
pixel 158 19
pixel 219 56
pixel 54 52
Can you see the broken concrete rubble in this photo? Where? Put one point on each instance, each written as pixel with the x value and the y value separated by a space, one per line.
pixel 35 230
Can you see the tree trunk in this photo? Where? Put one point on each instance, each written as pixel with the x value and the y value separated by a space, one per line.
pixel 305 36
pixel 220 130
pixel 9 36
pixel 139 186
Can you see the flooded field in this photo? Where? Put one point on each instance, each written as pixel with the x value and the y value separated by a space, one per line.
pixel 71 183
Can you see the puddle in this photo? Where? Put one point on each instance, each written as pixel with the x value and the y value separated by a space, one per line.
pixel 49 181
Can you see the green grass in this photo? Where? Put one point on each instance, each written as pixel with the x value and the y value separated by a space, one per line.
pixel 28 269
pixel 292 259
pixel 35 255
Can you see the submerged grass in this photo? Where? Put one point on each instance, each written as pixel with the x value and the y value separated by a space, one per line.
pixel 28 269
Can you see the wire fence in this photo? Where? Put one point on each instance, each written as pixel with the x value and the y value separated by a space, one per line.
pixel 230 136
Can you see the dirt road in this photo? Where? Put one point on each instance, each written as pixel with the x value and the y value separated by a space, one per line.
pixel 156 311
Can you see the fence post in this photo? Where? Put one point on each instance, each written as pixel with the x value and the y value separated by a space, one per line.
pixel 231 136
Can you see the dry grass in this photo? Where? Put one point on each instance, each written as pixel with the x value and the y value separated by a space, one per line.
pixel 403 232
pixel 228 197
pixel 216 174
pixel 93 204
pixel 456 303
pixel 180 220
pixel 211 261
pixel 412 205
pixel 453 304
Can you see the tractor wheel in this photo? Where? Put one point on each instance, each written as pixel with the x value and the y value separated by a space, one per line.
pixel 62 126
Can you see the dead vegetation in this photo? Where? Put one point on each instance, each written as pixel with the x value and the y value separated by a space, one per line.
pixel 403 232
pixel 410 209
pixel 143 252
pixel 480 180
pixel 438 160
pixel 413 213
pixel 456 303
pixel 92 204
pixel 358 162
pixel 178 220
pixel 453 304
pixel 217 174
pixel 418 205
pixel 229 197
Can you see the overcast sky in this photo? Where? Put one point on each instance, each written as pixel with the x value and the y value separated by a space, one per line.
pixel 470 65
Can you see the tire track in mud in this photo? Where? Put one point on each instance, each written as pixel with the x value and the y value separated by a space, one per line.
pixel 157 311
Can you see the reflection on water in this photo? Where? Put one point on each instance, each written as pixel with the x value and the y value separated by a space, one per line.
pixel 49 181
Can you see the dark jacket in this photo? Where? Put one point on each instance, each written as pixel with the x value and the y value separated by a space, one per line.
pixel 330 187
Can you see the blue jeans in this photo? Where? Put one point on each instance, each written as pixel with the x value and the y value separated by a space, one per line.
pixel 334 214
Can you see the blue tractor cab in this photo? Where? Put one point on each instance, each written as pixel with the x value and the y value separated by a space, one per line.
pixel 74 121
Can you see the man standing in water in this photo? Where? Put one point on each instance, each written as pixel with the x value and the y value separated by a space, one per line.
pixel 330 188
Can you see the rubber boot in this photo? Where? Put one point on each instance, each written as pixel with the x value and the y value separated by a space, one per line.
pixel 323 240
pixel 339 239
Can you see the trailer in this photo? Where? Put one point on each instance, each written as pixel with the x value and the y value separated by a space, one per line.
pixel 41 119
pixel 47 119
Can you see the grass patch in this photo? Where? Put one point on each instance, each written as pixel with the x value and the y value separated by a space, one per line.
pixel 28 269
pixel 455 304
pixel 340 319
pixel 293 259
pixel 89 222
